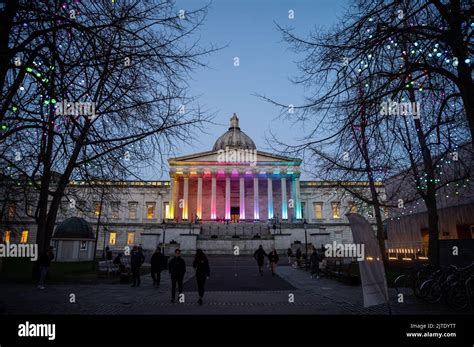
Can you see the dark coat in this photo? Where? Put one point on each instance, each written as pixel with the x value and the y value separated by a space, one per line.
pixel 177 267
pixel 136 259
pixel 260 255
pixel 45 259
pixel 298 254
pixel 273 257
pixel 158 262
pixel 315 258
pixel 202 268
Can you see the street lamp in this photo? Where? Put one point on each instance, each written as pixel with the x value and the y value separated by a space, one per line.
pixel 163 226
pixel 306 241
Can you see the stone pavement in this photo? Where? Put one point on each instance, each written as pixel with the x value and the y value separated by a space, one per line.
pixel 246 293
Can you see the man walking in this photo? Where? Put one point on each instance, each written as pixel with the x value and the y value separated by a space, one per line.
pixel 157 260
pixel 315 264
pixel 259 256
pixel 136 260
pixel 44 262
pixel 177 269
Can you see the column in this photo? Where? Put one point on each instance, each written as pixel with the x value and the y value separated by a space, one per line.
pixel 295 195
pixel 199 197
pixel 185 197
pixel 270 196
pixel 284 206
pixel 242 196
pixel 170 214
pixel 227 196
pixel 213 197
pixel 256 209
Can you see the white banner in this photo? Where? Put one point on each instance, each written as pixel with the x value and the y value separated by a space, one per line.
pixel 372 272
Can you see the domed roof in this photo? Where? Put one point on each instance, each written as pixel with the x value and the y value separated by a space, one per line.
pixel 234 137
pixel 74 228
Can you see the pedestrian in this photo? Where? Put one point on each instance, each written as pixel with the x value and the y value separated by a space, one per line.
pixel 108 253
pixel 273 259
pixel 177 269
pixel 259 256
pixel 136 260
pixel 201 265
pixel 298 257
pixel 44 261
pixel 315 264
pixel 118 261
pixel 157 260
pixel 289 253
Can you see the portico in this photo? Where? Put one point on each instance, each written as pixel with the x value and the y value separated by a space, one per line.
pixel 234 182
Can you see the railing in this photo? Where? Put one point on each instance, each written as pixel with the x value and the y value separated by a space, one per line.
pixel 407 250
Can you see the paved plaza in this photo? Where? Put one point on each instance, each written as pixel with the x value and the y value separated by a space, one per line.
pixel 235 287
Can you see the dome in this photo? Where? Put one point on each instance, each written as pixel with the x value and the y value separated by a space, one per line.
pixel 234 137
pixel 74 228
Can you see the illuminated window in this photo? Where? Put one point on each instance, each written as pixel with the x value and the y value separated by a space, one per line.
pixel 336 210
pixel 318 210
pixel 11 210
pixel 112 238
pixel 83 246
pixel 132 210
pixel 150 210
pixel 352 207
pixel 167 210
pixel 115 209
pixel 97 208
pixel 6 236
pixel 130 238
pixel 24 236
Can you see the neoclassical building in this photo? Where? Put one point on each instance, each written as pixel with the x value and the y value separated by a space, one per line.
pixel 233 195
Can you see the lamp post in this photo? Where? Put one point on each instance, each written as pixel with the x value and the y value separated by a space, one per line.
pixel 163 226
pixel 306 241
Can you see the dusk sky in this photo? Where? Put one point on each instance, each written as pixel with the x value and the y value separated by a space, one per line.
pixel 248 28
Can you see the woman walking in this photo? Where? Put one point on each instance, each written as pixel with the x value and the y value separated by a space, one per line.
pixel 201 265
pixel 273 259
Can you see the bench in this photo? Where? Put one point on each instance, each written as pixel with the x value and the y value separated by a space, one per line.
pixel 108 267
pixel 344 270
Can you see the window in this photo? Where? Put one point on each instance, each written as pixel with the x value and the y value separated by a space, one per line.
pixel 6 236
pixel 318 210
pixel 29 210
pixel 167 210
pixel 97 208
pixel 24 236
pixel 150 210
pixel 112 238
pixel 83 246
pixel 81 208
pixel 132 210
pixel 115 209
pixel 336 210
pixel 352 207
pixel 303 208
pixel 11 210
pixel 130 238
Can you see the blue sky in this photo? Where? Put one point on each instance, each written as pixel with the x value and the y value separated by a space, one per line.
pixel 248 28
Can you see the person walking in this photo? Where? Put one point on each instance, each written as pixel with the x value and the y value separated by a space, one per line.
pixel 298 257
pixel 273 259
pixel 177 269
pixel 136 260
pixel 44 261
pixel 157 260
pixel 314 264
pixel 201 265
pixel 259 256
pixel 108 253
pixel 289 253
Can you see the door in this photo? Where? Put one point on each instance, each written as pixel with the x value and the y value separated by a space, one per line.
pixel 234 214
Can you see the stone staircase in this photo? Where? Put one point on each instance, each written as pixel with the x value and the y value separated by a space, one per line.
pixel 221 231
